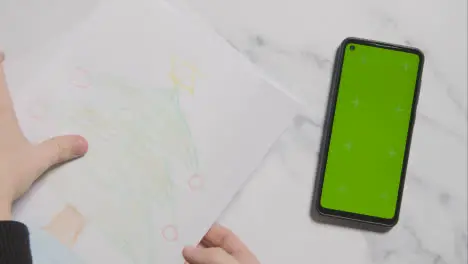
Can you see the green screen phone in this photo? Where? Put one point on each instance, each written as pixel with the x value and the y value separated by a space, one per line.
pixel 368 131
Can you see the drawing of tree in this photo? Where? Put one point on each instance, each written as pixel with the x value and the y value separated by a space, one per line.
pixel 127 194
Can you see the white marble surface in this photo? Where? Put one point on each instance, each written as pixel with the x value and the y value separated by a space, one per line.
pixel 294 42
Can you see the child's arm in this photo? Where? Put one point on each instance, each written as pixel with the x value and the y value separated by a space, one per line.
pixel 22 163
pixel 14 243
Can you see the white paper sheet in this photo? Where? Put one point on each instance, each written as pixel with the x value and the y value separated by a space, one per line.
pixel 176 122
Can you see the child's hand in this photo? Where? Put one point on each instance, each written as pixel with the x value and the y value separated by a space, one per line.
pixel 220 246
pixel 22 162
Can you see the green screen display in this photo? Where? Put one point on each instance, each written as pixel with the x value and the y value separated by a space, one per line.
pixel 369 131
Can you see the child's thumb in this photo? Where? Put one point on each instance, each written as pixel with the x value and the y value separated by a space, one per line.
pixel 57 150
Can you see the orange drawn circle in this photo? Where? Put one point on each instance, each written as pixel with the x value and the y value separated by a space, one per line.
pixel 36 116
pixel 82 86
pixel 195 182
pixel 170 233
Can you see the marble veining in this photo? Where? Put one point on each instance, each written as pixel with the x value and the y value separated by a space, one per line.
pixel 294 43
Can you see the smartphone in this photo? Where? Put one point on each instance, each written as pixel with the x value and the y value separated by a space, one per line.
pixel 367 133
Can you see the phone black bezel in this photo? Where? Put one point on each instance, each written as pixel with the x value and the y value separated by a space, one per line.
pixel 328 131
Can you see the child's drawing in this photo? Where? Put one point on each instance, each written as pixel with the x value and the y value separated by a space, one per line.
pixel 183 75
pixel 169 143
pixel 79 78
pixel 46 249
pixel 154 158
pixel 195 182
pixel 66 226
pixel 170 233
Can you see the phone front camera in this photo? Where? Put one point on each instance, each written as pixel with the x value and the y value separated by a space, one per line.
pixel 352 47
